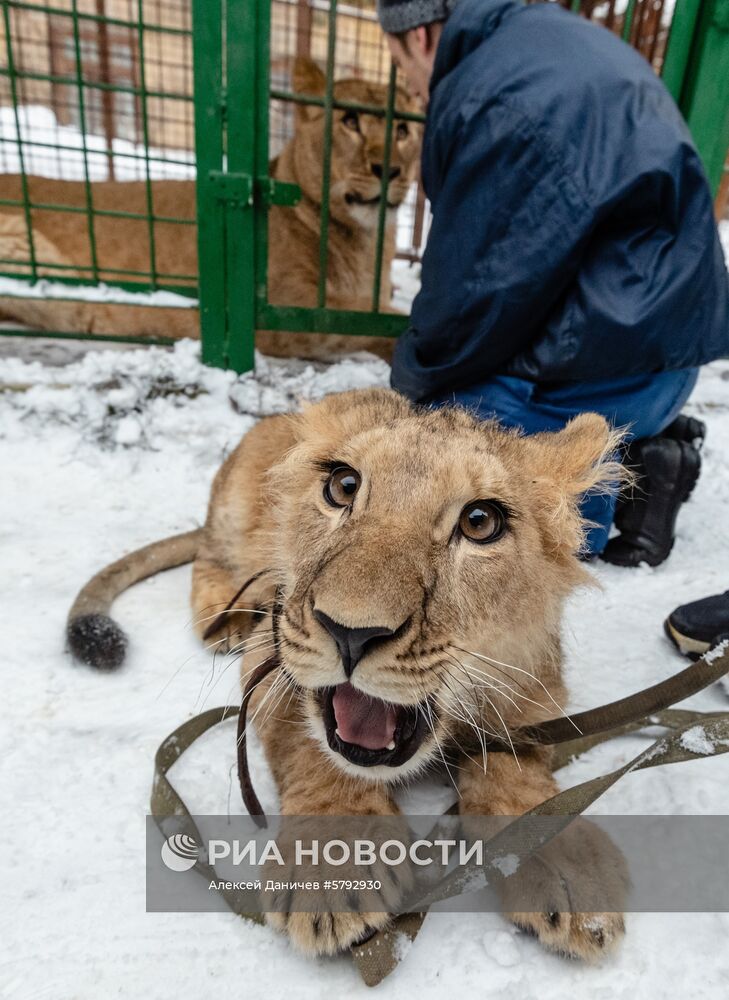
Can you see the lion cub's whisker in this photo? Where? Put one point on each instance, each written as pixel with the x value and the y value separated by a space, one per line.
pixel 176 672
pixel 480 730
pixel 245 674
pixel 192 656
pixel 480 706
pixel 274 702
pixel 208 646
pixel 269 643
pixel 222 674
pixel 274 698
pixel 505 728
pixel 511 666
pixel 277 681
pixel 486 682
pixel 444 708
pixel 261 609
pixel 492 660
pixel 212 683
pixel 472 669
pixel 264 700
pixel 461 703
pixel 498 680
pixel 249 644
pixel 448 709
pixel 429 719
pixel 480 677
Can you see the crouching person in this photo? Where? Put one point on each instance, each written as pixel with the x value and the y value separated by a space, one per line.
pixel 573 262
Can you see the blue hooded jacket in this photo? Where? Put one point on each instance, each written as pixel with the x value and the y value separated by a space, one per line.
pixel 573 235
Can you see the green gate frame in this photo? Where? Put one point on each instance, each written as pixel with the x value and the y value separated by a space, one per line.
pixel 232 92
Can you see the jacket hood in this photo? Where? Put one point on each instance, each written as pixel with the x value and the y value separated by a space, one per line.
pixel 469 25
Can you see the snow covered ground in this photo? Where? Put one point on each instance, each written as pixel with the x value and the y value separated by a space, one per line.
pixel 119 448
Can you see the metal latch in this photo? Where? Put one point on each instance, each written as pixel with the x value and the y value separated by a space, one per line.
pixel 238 190
pixel 278 192
pixel 234 189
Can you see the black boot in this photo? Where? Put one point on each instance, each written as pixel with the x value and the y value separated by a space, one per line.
pixel 685 428
pixel 666 473
pixel 694 628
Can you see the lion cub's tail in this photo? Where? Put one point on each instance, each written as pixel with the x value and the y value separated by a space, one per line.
pixel 93 636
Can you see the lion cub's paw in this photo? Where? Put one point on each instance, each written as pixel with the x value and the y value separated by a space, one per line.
pixel 588 936
pixel 576 872
pixel 327 933
pixel 327 908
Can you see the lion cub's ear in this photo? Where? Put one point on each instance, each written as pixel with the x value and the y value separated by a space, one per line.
pixel 581 458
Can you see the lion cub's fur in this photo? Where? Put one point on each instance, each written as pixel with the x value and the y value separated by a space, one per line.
pixel 481 632
pixel 123 245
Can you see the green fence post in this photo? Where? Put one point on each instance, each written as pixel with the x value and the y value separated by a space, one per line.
pixel 264 185
pixel 704 97
pixel 208 94
pixel 678 50
pixel 628 20
pixel 242 58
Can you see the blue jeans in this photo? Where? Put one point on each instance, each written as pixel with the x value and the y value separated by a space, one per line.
pixel 644 404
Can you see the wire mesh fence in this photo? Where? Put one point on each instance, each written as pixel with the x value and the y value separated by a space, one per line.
pixel 95 92
pixel 115 73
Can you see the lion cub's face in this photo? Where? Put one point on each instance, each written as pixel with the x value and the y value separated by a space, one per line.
pixel 358 147
pixel 405 538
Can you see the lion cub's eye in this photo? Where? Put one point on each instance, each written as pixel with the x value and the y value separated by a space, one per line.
pixel 402 131
pixel 351 120
pixel 341 487
pixel 482 521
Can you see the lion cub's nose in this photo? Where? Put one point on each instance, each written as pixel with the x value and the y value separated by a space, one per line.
pixel 377 171
pixel 352 643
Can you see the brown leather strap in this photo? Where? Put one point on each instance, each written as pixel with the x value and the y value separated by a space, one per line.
pixel 250 799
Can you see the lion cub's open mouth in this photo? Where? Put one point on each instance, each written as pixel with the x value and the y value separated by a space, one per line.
pixel 368 731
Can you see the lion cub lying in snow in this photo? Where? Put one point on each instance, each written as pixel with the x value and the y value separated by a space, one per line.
pixel 404 559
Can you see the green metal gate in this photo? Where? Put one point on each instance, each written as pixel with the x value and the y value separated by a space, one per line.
pixel 235 189
pixel 232 90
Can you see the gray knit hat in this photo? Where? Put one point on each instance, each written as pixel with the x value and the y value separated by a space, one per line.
pixel 402 15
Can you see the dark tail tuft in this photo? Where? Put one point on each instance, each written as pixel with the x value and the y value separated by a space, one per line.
pixel 97 640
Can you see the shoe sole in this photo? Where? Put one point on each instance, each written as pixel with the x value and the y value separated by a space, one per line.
pixel 684 643
pixel 633 557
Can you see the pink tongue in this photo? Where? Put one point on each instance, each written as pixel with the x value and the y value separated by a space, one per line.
pixel 368 722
